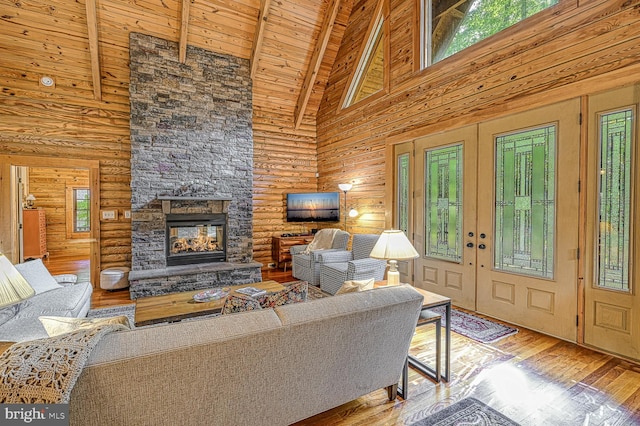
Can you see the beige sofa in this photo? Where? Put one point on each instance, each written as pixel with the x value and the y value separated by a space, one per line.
pixel 269 367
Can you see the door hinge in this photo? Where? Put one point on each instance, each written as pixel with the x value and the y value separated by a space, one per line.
pixel 577 320
pixel 580 118
pixel 579 186
pixel 578 253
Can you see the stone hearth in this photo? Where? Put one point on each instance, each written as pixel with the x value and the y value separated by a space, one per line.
pixel 191 153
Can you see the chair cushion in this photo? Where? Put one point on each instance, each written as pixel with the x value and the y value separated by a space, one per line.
pixel 61 325
pixel 353 286
pixel 294 293
pixel 37 276
pixel 240 303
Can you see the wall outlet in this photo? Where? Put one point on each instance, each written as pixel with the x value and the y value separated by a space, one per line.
pixel 127 214
pixel 108 214
pixel 271 265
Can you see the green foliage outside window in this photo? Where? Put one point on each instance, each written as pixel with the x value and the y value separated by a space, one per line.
pixel 458 25
pixel 81 211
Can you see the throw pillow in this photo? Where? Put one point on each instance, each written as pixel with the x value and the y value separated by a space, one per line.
pixel 355 285
pixel 294 293
pixel 61 325
pixel 239 303
pixel 37 276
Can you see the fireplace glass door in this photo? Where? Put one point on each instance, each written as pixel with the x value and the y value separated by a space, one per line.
pixel 195 239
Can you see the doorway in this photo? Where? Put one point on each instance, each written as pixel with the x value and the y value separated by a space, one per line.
pixel 63 206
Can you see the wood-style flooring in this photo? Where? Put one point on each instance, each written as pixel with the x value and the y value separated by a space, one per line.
pixel 531 378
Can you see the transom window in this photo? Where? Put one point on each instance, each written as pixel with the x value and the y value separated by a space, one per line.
pixel 449 26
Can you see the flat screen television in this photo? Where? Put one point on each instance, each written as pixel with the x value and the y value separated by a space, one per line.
pixel 313 207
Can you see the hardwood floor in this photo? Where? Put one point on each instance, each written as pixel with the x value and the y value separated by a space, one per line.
pixel 532 378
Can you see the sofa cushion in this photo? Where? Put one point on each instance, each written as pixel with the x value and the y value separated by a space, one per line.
pixel 61 325
pixel 240 303
pixel 355 285
pixel 9 312
pixel 294 293
pixel 69 301
pixel 37 276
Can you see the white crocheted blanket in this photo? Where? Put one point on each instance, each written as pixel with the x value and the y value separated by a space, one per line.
pixel 44 371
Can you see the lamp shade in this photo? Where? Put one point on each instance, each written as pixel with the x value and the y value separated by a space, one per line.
pixel 13 287
pixel 345 186
pixel 393 244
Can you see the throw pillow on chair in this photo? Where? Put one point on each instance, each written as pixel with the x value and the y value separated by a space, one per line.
pixel 353 286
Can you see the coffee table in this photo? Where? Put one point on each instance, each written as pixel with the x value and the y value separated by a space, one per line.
pixel 178 306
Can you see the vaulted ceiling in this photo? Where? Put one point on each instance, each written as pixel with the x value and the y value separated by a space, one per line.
pixel 83 44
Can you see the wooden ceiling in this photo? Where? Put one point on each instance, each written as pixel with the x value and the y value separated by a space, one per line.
pixel 83 44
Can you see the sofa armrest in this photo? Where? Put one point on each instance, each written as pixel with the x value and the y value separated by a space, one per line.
pixel 367 266
pixel 335 256
pixel 66 279
pixel 297 249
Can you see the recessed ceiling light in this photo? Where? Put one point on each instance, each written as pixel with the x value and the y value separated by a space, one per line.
pixel 47 81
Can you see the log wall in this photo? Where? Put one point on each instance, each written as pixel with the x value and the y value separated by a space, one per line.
pixel 48 185
pixel 569 50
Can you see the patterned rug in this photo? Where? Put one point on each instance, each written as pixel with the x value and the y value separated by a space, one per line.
pixel 468 411
pixel 476 328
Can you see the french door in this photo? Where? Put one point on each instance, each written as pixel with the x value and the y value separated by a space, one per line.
pixel 445 215
pixel 612 302
pixel 496 217
pixel 528 212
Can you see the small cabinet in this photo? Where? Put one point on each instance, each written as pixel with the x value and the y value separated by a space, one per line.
pixel 280 247
pixel 34 232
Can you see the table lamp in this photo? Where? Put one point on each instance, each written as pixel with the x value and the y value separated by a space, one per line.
pixel 13 287
pixel 393 245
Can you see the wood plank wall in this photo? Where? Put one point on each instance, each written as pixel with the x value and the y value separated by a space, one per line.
pixel 572 49
pixel 49 37
pixel 48 185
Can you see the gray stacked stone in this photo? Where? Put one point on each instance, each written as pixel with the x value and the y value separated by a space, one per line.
pixel 190 135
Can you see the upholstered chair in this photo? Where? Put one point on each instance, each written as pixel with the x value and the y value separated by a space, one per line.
pixel 339 266
pixel 305 266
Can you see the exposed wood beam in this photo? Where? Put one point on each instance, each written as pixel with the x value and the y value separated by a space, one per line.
pixel 184 31
pixel 316 61
pixel 92 28
pixel 258 36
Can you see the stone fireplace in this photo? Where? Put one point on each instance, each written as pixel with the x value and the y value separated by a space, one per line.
pixel 191 169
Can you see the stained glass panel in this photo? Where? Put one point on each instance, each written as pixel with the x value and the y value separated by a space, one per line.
pixel 443 203
pixel 525 202
pixel 614 206
pixel 403 193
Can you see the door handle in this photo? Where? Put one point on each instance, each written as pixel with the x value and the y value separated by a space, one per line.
pixel 482 246
pixel 469 244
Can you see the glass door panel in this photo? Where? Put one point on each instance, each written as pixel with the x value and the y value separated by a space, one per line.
pixel 525 202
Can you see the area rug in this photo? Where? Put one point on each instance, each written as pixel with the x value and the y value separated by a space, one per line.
pixel 114 311
pixel 468 411
pixel 474 327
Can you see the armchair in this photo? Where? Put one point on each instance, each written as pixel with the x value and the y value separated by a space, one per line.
pixel 305 266
pixel 336 267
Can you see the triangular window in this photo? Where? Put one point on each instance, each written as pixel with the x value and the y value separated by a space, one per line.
pixel 369 77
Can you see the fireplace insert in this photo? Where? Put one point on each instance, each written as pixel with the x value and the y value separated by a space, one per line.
pixel 196 238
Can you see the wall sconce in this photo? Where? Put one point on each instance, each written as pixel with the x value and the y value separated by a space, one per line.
pixel 29 201
pixel 345 187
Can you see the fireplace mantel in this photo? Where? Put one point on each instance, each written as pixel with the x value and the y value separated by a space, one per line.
pixel 167 199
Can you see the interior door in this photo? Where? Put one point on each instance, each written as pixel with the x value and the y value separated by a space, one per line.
pixel 612 303
pixel 445 215
pixel 528 210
